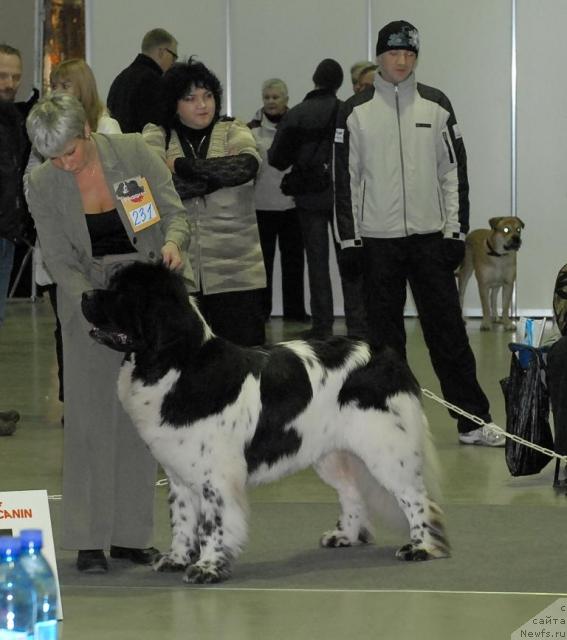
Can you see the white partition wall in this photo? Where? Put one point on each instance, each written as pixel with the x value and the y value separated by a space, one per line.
pixel 466 51
pixel 17 28
pixel 542 148
pixel 270 40
pixel 115 29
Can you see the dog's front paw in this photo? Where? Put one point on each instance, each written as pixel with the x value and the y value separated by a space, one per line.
pixel 207 572
pixel 509 325
pixel 167 563
pixel 486 325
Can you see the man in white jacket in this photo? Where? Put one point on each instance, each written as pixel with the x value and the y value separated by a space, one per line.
pixel 402 211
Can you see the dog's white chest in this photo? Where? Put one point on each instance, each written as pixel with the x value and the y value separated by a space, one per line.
pixel 143 402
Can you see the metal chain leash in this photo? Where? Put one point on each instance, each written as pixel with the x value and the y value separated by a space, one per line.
pixel 163 482
pixel 493 426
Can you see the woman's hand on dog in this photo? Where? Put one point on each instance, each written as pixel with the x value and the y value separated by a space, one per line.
pixel 171 256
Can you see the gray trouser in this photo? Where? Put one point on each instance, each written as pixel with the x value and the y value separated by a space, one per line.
pixel 108 473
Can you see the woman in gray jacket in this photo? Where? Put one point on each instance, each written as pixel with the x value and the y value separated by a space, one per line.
pixel 214 161
pixel 86 204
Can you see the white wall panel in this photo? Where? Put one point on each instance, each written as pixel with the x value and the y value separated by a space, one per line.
pixel 542 147
pixel 466 52
pixel 287 40
pixel 17 28
pixel 116 29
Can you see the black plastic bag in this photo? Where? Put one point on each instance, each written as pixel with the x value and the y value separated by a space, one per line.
pixel 527 410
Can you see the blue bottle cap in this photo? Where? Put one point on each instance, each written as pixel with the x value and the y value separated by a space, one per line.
pixel 31 538
pixel 10 546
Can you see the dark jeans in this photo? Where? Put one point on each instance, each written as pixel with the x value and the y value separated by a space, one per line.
pixel 315 230
pixel 235 315
pixel 7 249
pixel 389 264
pixel 283 227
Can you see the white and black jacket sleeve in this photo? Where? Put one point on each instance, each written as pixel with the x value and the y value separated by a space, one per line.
pixel 452 172
pixel 349 189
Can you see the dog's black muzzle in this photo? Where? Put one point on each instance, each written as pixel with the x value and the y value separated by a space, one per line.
pixel 104 331
pixel 514 243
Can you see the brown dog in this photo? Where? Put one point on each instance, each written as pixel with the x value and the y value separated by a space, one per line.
pixel 491 254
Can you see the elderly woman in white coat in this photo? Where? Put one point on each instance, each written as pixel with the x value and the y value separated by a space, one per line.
pixel 277 217
pixel 83 200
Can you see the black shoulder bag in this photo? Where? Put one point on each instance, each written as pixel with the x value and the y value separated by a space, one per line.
pixel 314 177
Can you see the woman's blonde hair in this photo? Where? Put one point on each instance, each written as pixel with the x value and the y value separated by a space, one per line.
pixel 78 72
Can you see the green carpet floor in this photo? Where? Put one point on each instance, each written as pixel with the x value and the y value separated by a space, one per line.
pixel 283 553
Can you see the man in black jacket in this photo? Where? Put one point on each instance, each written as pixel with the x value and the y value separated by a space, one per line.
pixel 14 216
pixel 134 98
pixel 304 139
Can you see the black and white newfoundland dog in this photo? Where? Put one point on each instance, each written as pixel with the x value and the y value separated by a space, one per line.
pixel 219 417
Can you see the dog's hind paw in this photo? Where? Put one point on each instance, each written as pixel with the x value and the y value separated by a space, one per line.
pixel 416 553
pixel 207 572
pixel 165 563
pixel 337 538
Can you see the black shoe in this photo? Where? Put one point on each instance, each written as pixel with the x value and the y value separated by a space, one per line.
pixel 291 317
pixel 9 416
pixel 358 335
pixel 315 334
pixel 92 561
pixel 8 421
pixel 137 556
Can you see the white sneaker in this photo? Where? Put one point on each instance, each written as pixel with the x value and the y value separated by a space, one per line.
pixel 484 436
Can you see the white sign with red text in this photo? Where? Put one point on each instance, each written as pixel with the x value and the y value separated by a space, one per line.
pixel 30 510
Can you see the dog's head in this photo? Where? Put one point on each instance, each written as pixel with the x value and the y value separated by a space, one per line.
pixel 145 308
pixel 506 233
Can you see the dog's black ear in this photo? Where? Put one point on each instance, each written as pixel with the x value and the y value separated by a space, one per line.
pixel 493 222
pixel 522 224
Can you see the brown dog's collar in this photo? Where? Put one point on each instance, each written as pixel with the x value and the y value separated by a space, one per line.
pixel 492 252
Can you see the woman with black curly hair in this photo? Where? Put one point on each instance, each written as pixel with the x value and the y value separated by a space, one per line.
pixel 214 160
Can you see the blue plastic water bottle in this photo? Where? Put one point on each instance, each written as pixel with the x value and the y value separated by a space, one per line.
pixel 17 594
pixel 36 566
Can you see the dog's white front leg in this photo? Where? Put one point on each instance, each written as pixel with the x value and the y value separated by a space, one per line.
pixel 507 291
pixel 494 304
pixel 484 293
pixel 183 511
pixel 222 529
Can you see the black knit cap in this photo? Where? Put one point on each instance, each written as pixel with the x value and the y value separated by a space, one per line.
pixel 398 35
pixel 328 74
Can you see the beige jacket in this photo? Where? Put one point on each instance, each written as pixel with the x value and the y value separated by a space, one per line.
pixel 225 250
pixel 55 203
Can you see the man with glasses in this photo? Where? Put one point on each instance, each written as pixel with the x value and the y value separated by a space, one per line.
pixel 134 98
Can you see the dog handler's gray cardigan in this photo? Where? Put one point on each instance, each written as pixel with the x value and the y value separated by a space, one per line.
pixel 108 473
pixel 400 165
pixel 225 250
pixel 56 206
